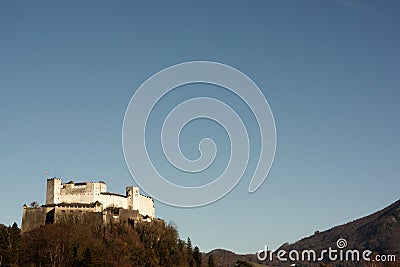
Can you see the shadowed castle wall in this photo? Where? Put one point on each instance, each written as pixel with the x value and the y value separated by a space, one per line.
pixel 33 218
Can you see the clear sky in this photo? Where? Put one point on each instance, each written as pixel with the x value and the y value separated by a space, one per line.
pixel 329 69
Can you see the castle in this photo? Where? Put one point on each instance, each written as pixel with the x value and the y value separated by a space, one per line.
pixel 87 202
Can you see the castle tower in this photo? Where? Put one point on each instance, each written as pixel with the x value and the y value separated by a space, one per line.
pixel 132 194
pixel 129 197
pixel 53 191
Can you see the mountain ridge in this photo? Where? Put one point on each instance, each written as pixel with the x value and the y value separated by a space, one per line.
pixel 378 232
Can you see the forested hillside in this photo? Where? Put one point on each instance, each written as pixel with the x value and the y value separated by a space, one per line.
pixel 141 244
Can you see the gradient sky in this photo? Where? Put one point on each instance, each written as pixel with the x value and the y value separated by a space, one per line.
pixel 329 69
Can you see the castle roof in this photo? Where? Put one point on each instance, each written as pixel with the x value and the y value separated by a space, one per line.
pixel 84 205
pixel 111 194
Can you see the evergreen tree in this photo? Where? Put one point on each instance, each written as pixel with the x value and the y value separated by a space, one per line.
pixel 197 256
pixel 189 253
pixel 10 241
pixel 15 240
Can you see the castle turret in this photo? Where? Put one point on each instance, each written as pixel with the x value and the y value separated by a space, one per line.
pixel 129 197
pixel 53 191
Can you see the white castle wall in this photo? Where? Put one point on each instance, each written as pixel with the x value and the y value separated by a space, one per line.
pixel 79 193
pixel 144 204
pixel 112 200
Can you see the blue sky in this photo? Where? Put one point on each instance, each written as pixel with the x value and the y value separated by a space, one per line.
pixel 329 69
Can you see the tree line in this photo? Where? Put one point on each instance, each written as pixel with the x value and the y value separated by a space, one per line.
pixel 146 244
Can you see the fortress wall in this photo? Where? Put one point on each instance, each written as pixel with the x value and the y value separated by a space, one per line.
pixel 112 200
pixel 77 215
pixel 120 216
pixel 81 192
pixel 82 197
pixel 125 215
pixel 33 218
pixel 144 204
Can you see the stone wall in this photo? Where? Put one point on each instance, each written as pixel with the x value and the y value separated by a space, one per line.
pixel 76 213
pixel 87 192
pixel 33 218
pixel 78 217
pixel 144 204
pixel 112 200
pixel 117 215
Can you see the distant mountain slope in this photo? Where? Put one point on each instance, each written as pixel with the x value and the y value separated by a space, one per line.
pixel 378 232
